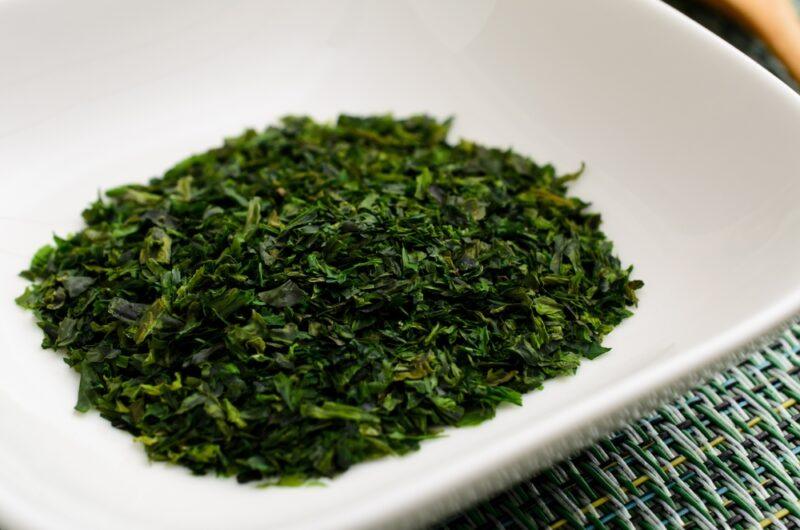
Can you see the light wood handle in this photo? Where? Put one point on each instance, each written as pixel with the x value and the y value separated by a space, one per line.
pixel 776 22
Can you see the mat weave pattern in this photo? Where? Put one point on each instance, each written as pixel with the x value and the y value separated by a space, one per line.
pixel 724 455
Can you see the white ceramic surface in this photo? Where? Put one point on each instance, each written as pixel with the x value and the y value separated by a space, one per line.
pixel 693 156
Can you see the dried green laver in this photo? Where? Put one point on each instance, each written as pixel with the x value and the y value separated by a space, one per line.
pixel 311 296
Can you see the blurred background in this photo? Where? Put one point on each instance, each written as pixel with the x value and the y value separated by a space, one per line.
pixel 733 31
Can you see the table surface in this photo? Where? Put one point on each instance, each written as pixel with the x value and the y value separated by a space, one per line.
pixel 724 455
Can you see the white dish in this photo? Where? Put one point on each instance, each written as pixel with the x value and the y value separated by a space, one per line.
pixel 692 155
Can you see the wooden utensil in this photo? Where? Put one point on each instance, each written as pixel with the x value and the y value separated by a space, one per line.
pixel 776 22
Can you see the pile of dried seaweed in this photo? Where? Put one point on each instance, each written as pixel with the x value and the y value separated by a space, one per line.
pixel 311 296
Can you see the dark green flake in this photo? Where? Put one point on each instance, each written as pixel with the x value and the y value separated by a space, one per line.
pixel 285 295
pixel 304 298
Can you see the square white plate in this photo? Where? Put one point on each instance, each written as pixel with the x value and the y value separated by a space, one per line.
pixel 693 157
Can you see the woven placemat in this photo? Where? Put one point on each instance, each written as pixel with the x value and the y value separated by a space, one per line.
pixel 724 455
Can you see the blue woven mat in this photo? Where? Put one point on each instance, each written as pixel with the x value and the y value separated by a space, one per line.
pixel 724 455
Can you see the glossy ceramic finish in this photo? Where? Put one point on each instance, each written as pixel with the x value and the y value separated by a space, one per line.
pixel 692 154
